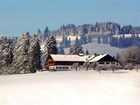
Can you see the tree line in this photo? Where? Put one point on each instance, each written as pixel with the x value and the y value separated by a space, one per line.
pixel 24 54
pixel 124 42
pixel 103 29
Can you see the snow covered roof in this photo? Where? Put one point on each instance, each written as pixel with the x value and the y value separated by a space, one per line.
pixel 97 58
pixel 59 57
pixel 78 58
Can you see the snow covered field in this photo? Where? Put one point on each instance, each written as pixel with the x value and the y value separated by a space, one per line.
pixel 71 88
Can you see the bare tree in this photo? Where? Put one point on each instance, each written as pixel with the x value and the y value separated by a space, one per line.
pixel 75 66
pixel 137 67
pixel 86 65
pixel 113 68
pixel 93 66
pixel 99 68
pixel 131 56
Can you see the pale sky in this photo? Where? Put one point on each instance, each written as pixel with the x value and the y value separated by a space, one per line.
pixel 18 16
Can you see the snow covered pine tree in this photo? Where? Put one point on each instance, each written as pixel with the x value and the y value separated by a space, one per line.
pixel 21 54
pixel 34 55
pixel 27 54
pixel 6 54
pixel 52 45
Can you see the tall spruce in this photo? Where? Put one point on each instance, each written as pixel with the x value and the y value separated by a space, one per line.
pixel 6 51
pixel 21 54
pixel 34 55
pixel 77 42
pixel 52 45
pixel 60 50
pixel 46 32
pixel 76 50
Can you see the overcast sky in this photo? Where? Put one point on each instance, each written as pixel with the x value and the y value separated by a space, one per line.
pixel 17 16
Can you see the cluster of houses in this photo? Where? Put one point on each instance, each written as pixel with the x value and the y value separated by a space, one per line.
pixel 65 62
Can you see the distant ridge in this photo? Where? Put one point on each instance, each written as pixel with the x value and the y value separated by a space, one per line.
pixel 104 28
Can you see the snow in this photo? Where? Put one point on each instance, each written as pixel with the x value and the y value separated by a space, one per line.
pixel 71 88
pixel 96 58
pixel 59 57
pixel 125 35
pixel 82 58
pixel 99 48
pixel 73 38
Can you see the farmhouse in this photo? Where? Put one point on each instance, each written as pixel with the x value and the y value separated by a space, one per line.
pixel 104 61
pixel 65 62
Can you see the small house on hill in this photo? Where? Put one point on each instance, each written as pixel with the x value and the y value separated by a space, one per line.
pixel 65 62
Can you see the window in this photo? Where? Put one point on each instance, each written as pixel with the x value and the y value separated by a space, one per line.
pixel 112 62
pixel 58 67
pixel 107 62
pixel 101 62
pixel 50 62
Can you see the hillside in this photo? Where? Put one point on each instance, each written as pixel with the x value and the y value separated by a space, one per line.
pixel 71 88
pixel 99 48
pixel 67 34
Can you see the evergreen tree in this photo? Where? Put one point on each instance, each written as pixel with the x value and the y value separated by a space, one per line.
pixel 35 55
pixel 89 39
pixel 69 42
pixel 21 54
pixel 71 50
pixel 76 50
pixel 83 39
pixel 65 42
pixel 39 31
pixel 46 32
pixel 77 42
pixel 98 40
pixel 87 52
pixel 6 51
pixel 44 52
pixel 105 40
pixel 52 45
pixel 61 50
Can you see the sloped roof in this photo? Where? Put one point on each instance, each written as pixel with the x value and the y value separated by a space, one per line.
pixel 78 58
pixel 59 57
pixel 97 58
